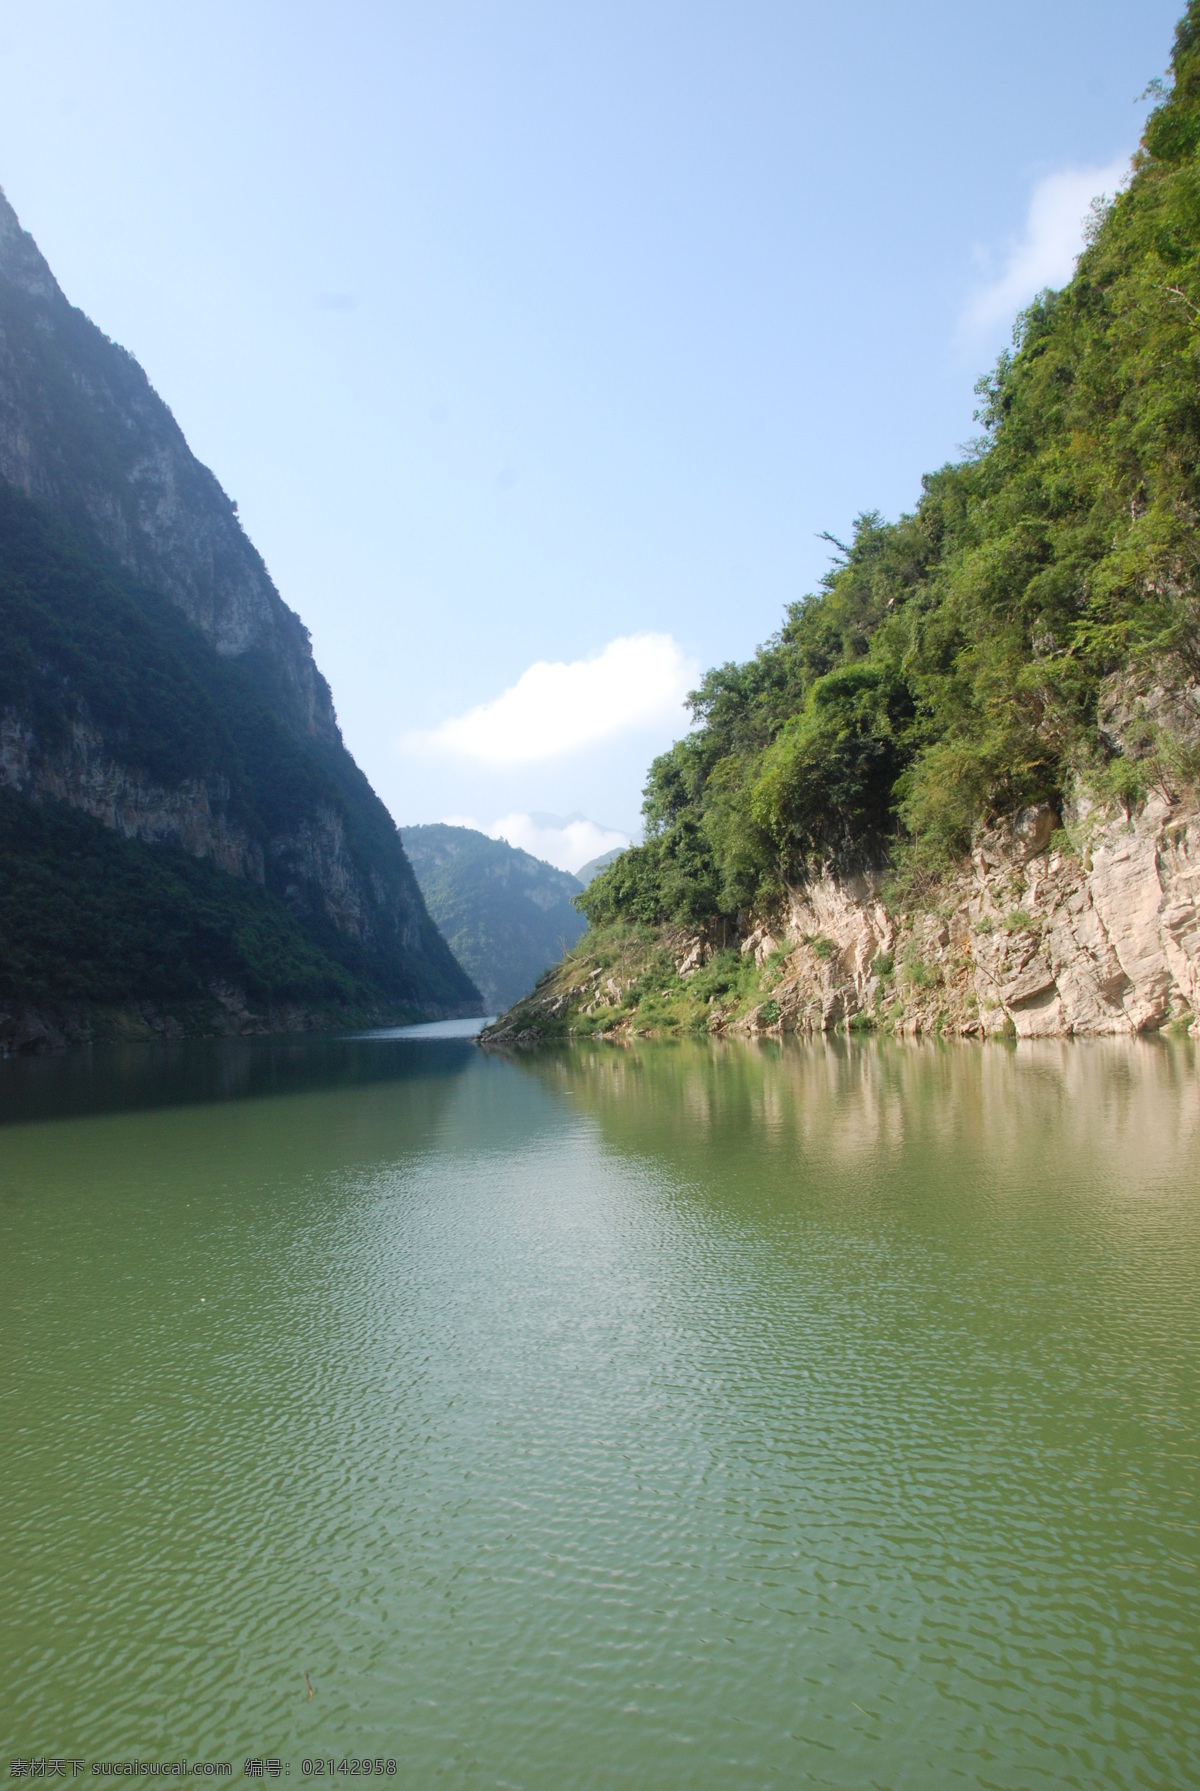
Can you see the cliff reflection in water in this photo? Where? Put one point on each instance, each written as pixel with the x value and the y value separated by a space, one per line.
pixel 842 1102
pixel 141 1077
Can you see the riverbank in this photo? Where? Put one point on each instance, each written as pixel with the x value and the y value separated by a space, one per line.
pixel 1085 923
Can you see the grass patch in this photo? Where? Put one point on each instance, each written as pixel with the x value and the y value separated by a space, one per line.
pixel 1020 922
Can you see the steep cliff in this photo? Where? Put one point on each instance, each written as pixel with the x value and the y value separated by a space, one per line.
pixel 83 431
pixel 154 682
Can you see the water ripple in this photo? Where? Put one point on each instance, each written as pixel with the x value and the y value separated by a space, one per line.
pixel 680 1416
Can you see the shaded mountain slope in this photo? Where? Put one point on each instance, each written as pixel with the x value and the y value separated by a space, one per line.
pixel 507 915
pixel 154 682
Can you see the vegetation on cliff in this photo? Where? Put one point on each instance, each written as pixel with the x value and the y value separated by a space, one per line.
pixel 1015 663
pixel 91 920
pixel 953 667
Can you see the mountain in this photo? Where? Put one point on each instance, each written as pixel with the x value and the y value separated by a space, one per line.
pixel 185 842
pixel 594 866
pixel 961 786
pixel 507 915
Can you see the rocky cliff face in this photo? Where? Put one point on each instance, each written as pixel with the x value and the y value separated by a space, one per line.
pixel 83 773
pixel 316 855
pixel 1036 938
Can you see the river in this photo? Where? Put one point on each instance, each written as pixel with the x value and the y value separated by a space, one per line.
pixel 685 1415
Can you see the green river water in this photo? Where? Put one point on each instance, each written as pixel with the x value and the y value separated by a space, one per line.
pixel 679 1416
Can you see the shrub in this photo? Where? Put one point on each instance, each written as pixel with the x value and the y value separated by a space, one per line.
pixel 1020 922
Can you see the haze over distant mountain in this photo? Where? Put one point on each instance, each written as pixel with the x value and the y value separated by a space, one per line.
pixel 565 841
pixel 183 836
pixel 507 915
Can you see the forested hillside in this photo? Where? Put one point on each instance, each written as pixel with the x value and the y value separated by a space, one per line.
pixel 1027 635
pixel 955 664
pixel 507 915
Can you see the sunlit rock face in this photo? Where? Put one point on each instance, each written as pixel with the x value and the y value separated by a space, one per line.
pixel 1030 939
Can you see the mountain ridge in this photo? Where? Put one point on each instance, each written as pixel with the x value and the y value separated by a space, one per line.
pixel 507 915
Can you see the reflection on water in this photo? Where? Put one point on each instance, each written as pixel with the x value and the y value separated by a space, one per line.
pixel 123 1078
pixel 435 1029
pixel 683 1415
pixel 844 1105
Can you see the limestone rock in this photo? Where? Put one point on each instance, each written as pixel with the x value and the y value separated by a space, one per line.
pixel 1030 940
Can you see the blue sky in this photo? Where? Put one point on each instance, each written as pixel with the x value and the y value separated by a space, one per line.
pixel 539 342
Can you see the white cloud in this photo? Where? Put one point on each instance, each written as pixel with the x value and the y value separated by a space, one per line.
pixel 638 681
pixel 568 842
pixel 1045 253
